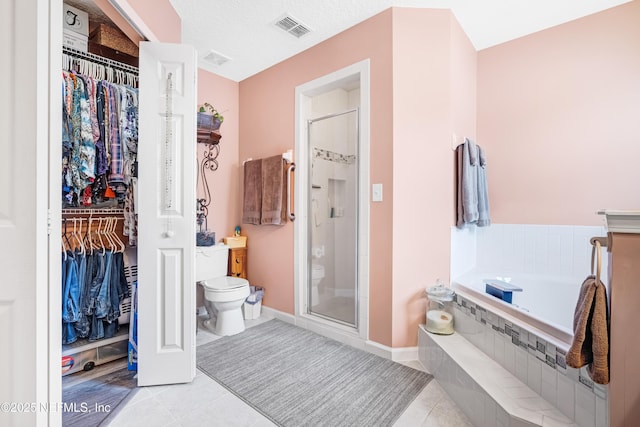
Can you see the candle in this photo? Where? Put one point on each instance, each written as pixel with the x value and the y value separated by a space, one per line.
pixel 439 322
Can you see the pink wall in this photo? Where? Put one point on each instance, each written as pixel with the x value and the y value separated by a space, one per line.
pixel 267 128
pixel 558 113
pixel 158 15
pixel 118 20
pixel 433 95
pixel 224 183
pixel 412 64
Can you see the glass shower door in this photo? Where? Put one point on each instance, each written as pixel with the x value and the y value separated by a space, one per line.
pixel 333 217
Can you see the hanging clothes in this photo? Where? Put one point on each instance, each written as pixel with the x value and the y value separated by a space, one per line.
pixel 94 285
pixel 100 140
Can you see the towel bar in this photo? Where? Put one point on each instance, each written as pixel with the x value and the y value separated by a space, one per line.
pixel 290 170
pixel 601 240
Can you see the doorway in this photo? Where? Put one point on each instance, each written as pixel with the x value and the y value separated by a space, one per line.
pixel 331 234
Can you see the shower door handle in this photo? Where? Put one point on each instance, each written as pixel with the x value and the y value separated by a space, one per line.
pixel 290 169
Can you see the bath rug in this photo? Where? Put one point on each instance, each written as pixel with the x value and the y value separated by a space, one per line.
pixel 93 402
pixel 296 377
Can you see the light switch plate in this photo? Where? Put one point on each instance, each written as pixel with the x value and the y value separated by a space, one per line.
pixel 376 191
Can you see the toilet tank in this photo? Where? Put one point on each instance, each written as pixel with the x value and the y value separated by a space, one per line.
pixel 211 261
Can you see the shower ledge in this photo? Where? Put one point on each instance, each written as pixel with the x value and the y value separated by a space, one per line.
pixel 472 378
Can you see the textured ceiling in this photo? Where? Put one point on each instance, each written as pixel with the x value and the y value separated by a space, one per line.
pixel 244 31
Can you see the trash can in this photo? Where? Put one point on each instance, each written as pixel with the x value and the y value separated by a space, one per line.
pixel 253 304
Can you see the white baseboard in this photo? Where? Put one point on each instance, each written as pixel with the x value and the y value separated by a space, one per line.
pixel 280 315
pixel 401 354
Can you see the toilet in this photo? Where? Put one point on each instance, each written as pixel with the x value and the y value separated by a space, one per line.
pixel 317 274
pixel 224 295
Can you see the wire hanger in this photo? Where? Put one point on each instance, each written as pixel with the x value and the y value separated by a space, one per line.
pixel 66 236
pixel 119 241
pixel 78 234
pixel 110 231
pixel 87 235
pixel 105 232
pixel 99 235
pixel 64 250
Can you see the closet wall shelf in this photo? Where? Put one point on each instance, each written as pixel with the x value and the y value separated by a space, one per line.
pixel 84 344
pixel 100 59
pixel 86 211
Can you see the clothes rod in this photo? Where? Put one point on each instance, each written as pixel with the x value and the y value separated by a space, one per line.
pixel 100 59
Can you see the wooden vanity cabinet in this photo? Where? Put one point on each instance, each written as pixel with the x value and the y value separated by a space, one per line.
pixel 238 262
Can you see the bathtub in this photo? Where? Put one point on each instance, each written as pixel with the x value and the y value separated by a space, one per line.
pixel 545 306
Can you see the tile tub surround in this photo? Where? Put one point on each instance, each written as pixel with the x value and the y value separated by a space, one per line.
pixel 488 394
pixel 522 349
pixel 535 359
pixel 544 303
pixel 512 249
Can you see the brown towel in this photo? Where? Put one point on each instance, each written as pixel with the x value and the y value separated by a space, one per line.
pixel 273 191
pixel 252 201
pixel 590 332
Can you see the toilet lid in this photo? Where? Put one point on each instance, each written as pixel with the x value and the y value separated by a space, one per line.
pixel 225 283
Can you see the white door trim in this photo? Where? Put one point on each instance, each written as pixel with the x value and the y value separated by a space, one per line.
pixel 52 334
pixel 303 95
pixel 30 292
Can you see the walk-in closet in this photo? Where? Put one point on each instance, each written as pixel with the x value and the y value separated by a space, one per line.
pixel 99 222
pixel 128 215
pixel 99 228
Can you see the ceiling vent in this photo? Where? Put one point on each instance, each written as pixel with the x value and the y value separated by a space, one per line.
pixel 216 58
pixel 292 26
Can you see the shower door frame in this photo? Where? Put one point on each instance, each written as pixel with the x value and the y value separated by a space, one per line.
pixel 359 72
pixel 309 161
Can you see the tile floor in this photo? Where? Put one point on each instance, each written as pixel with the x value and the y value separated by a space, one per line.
pixel 206 403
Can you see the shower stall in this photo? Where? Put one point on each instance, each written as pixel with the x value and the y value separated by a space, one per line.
pixel 331 231
pixel 332 225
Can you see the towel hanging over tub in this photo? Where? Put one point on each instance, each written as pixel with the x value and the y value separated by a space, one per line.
pixel 471 185
pixel 590 344
pixel 590 335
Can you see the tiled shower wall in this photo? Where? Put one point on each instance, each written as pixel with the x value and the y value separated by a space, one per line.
pixel 509 249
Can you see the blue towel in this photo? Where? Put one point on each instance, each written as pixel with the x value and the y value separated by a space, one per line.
pixel 483 192
pixel 469 182
pixel 472 193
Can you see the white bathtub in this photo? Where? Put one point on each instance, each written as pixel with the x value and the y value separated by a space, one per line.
pixel 545 305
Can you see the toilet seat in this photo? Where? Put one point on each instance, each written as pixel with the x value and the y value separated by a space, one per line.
pixel 224 284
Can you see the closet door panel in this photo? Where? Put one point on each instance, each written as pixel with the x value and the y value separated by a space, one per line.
pixel 166 219
pixel 26 358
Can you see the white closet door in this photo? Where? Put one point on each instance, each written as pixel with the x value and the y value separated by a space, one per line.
pixel 29 109
pixel 166 214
